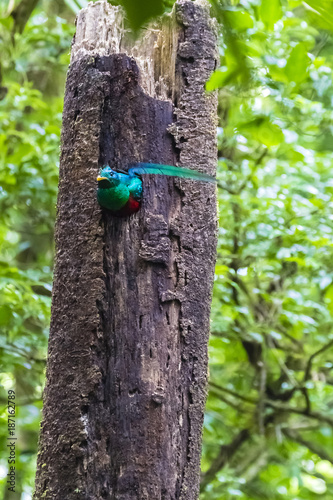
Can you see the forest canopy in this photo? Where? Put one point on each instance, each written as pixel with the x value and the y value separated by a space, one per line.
pixel 269 416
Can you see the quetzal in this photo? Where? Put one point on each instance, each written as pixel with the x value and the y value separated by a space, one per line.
pixel 121 192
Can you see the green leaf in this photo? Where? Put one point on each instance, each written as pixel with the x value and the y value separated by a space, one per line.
pixel 320 13
pixel 5 315
pixel 235 69
pixel 221 78
pixel 139 13
pixel 264 131
pixel 297 65
pixel 270 12
pixel 329 298
pixel 238 20
pixel 7 22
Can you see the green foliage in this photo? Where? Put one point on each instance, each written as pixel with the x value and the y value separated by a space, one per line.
pixel 320 13
pixel 76 5
pixel 269 418
pixel 270 12
pixel 33 66
pixel 140 12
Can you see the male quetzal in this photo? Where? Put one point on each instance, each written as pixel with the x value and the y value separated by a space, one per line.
pixel 121 192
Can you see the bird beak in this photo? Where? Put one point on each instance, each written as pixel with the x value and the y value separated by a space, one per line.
pixel 101 178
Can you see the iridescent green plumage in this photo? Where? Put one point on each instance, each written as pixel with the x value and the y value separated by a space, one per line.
pixel 116 188
pixel 121 193
pixel 155 168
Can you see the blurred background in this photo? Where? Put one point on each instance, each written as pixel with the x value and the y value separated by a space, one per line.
pixel 269 416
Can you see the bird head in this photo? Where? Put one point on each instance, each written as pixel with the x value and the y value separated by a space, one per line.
pixel 108 178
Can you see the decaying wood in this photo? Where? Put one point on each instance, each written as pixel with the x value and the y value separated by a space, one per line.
pixel 127 364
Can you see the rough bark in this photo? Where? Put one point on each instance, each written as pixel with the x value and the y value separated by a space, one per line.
pixel 127 363
pixel 22 13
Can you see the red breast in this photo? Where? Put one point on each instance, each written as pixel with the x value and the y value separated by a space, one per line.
pixel 131 207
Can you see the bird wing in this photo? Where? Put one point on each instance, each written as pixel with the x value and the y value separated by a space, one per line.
pixel 155 168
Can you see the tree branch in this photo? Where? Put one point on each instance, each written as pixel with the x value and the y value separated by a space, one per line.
pixel 228 451
pixel 295 436
pixel 300 411
pixel 312 357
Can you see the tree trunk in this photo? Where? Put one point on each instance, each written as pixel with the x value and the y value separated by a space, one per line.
pixel 127 363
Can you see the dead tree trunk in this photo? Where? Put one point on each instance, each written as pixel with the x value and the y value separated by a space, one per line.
pixel 127 364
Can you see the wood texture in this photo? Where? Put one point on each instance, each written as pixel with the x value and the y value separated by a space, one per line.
pixel 127 364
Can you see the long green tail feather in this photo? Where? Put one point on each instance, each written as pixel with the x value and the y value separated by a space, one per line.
pixel 155 168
